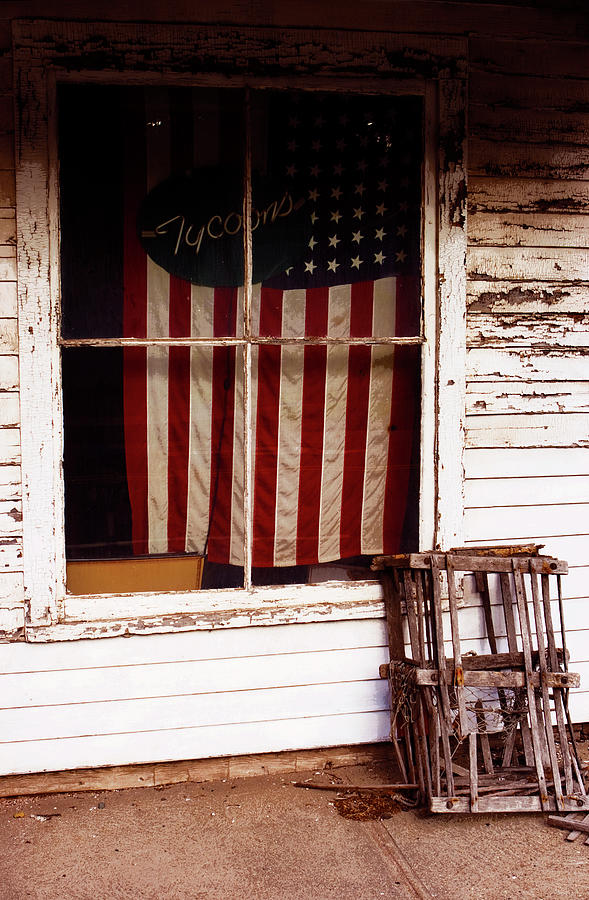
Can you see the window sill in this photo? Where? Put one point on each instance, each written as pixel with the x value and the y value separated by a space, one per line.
pixel 123 615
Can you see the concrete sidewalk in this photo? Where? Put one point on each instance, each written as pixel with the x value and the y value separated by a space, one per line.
pixel 263 838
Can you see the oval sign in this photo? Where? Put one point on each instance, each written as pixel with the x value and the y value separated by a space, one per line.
pixel 192 226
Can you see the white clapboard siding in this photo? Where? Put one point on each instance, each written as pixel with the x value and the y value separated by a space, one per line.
pixel 11 592
pixel 510 522
pixel 190 695
pixel 8 299
pixel 523 297
pixel 499 397
pixel 197 676
pixel 561 489
pixel 527 91
pixel 194 742
pixel 502 55
pixel 532 430
pixel 579 700
pixel 162 713
pixel 499 462
pixel 503 124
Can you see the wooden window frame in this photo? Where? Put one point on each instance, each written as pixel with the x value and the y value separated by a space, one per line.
pixel 171 55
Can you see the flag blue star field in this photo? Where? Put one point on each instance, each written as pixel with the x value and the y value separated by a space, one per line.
pixel 356 164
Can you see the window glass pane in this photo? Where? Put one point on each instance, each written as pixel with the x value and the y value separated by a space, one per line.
pixel 151 200
pixel 337 205
pixel 336 477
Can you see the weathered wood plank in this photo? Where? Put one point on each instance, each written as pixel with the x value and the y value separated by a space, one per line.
pixel 8 336
pixel 9 446
pixel 527 160
pixel 527 297
pixel 527 365
pixel 511 522
pixel 573 548
pixel 490 397
pixel 509 491
pixel 11 554
pixel 8 299
pixel 7 227
pixel 508 56
pixel 7 267
pixel 9 376
pixel 504 124
pixel 12 624
pixel 490 678
pixel 11 590
pixel 527 195
pixel 498 463
pixel 533 430
pixel 533 331
pixel 527 263
pixel 528 91
pixel 488 805
pixel 515 229
pixel 9 410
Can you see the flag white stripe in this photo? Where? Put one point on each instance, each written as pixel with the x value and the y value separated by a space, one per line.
pixel 201 384
pixel 377 437
pixel 336 389
pixel 289 430
pixel 158 319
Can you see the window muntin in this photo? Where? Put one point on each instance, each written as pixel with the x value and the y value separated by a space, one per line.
pixel 200 122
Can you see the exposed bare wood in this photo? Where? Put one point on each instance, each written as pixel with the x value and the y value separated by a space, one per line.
pixel 463 562
pixel 491 397
pixel 527 264
pixel 196 770
pixel 526 364
pixel 524 297
pixel 525 229
pixel 527 195
pixel 490 678
pixel 461 805
pixel 531 331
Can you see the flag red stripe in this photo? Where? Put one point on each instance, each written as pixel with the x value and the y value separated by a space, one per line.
pixel 267 424
pixel 135 325
pixel 358 399
pixel 178 416
pixel 222 415
pixel 404 408
pixel 312 427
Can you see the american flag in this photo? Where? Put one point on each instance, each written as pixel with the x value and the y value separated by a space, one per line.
pixel 332 426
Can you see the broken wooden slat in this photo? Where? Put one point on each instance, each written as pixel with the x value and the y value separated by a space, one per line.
pixel 565 822
pixel 458 671
pixel 444 714
pixel 527 649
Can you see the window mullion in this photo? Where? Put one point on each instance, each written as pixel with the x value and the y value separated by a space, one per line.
pixel 247 355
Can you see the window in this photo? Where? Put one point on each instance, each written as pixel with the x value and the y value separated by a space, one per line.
pixel 269 358
pixel 152 238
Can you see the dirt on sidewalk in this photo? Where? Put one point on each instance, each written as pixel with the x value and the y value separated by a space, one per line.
pixel 264 838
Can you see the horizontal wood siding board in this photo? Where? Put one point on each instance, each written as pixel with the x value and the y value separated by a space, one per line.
pixel 490 492
pixel 526 229
pixel 579 703
pixel 237 644
pixel 553 364
pixel 522 159
pixel 498 462
pixel 194 743
pixel 541 331
pixel 509 56
pixel 525 297
pixel 530 430
pixel 511 522
pixel 527 264
pixel 196 676
pixel 528 91
pixel 500 123
pixel 193 710
pixel 527 195
pixel 492 397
